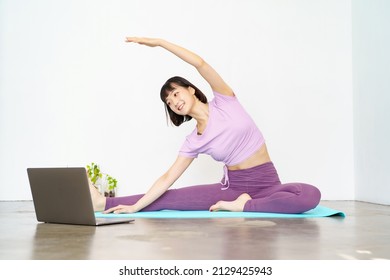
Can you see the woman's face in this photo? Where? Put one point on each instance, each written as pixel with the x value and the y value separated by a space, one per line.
pixel 181 100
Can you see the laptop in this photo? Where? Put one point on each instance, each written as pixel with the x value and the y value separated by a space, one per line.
pixel 62 196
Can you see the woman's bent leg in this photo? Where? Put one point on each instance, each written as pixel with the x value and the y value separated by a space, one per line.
pixel 285 198
pixel 189 198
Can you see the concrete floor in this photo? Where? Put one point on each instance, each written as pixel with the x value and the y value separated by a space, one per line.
pixel 363 234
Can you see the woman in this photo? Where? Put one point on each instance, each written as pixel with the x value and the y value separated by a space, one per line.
pixel 226 132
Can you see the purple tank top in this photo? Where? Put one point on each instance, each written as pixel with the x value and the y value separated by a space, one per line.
pixel 231 136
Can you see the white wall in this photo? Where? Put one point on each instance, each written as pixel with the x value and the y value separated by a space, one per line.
pixel 371 87
pixel 72 92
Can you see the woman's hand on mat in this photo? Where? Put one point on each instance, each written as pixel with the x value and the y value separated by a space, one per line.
pixel 151 42
pixel 121 209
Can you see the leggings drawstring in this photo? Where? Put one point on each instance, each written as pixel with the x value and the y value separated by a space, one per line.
pixel 226 183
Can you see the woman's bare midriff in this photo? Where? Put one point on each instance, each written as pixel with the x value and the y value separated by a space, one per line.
pixel 258 158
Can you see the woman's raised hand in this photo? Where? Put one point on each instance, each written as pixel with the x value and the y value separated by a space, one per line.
pixel 151 42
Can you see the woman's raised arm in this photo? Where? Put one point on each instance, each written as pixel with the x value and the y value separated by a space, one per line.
pixel 205 70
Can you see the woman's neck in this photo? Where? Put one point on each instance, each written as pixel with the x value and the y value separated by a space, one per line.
pixel 201 115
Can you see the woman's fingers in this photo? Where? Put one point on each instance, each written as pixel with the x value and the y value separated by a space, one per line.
pixel 151 42
pixel 120 209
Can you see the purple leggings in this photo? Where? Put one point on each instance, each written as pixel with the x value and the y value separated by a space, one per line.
pixel 260 182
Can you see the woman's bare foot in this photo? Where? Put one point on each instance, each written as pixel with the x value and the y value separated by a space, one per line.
pixel 234 206
pixel 98 200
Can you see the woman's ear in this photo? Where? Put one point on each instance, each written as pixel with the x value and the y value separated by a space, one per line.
pixel 191 89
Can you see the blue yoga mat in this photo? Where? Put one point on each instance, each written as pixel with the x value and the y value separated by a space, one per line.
pixel 319 211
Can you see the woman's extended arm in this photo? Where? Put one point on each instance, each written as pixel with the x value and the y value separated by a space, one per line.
pixel 157 189
pixel 205 70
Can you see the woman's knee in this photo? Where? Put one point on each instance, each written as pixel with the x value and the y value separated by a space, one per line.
pixel 311 194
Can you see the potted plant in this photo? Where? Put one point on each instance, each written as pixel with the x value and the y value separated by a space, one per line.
pixel 103 182
pixel 111 186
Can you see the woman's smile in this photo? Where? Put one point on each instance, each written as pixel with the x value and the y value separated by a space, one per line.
pixel 180 106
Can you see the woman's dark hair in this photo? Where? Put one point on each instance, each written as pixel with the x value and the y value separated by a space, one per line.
pixel 170 85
